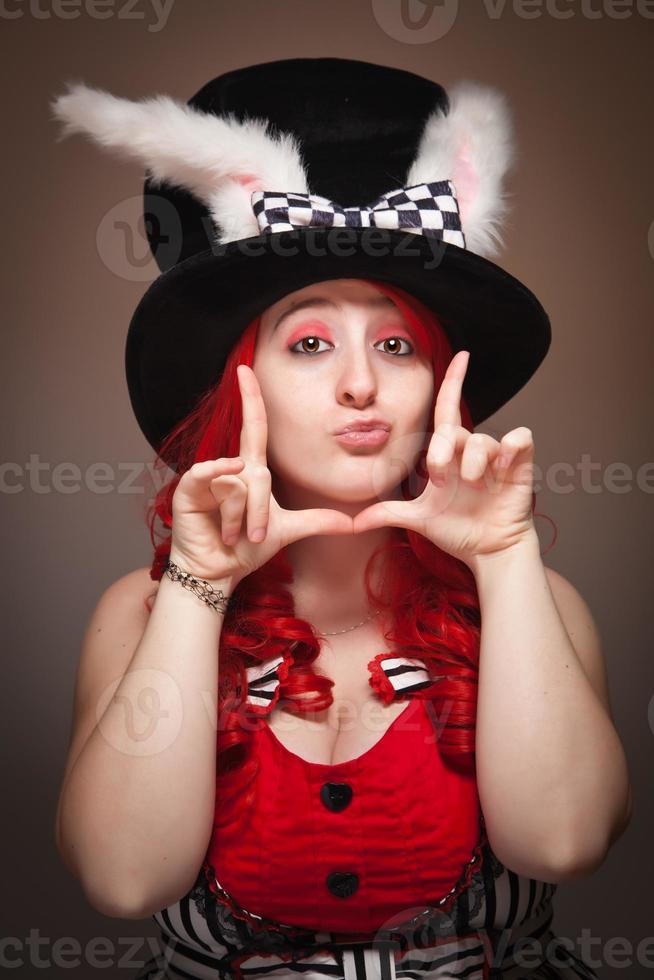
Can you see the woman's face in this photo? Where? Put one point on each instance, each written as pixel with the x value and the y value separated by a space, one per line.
pixel 347 355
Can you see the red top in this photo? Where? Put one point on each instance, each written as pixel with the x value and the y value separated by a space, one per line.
pixel 354 846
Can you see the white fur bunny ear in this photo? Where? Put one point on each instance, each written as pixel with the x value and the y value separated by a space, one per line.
pixel 472 145
pixel 218 159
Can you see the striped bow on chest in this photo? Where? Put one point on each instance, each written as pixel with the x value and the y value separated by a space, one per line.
pixel 390 677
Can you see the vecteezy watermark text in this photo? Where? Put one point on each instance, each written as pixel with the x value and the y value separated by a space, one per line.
pixel 159 10
pixel 101 952
pixel 426 21
pixel 122 244
pixel 38 476
pixel 65 477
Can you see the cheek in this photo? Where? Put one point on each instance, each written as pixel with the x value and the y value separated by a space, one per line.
pixel 295 425
pixel 417 410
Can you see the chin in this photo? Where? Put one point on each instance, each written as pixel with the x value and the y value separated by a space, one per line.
pixel 347 477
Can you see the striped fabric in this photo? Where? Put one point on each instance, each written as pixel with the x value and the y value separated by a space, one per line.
pixel 263 682
pixel 207 935
pixel 404 675
pixel 200 937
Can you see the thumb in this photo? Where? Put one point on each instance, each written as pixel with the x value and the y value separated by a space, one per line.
pixel 385 513
pixel 319 520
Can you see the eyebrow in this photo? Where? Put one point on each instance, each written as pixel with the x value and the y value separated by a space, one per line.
pixel 321 301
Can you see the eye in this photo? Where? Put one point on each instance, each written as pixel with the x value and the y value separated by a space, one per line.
pixel 302 340
pixel 392 340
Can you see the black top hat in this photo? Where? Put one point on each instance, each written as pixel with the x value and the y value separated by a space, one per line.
pixel 279 175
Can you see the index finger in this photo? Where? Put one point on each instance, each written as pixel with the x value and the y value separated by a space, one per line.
pixel 448 400
pixel 254 430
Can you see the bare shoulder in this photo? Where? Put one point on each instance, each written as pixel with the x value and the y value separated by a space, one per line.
pixel 584 635
pixel 118 620
pixel 138 584
pixel 134 584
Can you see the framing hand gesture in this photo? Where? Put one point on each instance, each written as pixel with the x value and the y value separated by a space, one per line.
pixel 477 500
pixel 213 497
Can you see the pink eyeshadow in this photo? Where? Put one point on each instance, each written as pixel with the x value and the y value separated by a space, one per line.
pixel 323 331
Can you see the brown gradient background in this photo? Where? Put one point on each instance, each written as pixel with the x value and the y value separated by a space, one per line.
pixel 580 91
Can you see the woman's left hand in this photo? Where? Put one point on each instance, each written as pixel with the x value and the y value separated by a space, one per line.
pixel 478 498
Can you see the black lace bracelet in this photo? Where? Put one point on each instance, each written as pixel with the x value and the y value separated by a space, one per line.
pixel 215 598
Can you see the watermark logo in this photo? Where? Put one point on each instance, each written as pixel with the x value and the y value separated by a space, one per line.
pixel 416 21
pixel 145 717
pixel 122 243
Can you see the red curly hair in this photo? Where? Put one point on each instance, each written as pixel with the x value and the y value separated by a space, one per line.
pixel 431 598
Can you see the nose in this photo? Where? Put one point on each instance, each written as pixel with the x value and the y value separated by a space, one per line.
pixel 357 382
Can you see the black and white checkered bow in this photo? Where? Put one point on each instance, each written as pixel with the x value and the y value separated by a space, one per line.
pixel 423 209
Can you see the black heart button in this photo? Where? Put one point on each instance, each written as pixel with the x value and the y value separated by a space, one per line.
pixel 336 796
pixel 342 883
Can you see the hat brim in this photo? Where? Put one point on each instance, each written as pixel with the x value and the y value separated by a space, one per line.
pixel 190 317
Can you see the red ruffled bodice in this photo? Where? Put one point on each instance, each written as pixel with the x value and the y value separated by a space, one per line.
pixel 354 846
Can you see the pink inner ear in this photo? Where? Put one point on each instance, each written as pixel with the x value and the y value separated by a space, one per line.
pixel 249 181
pixel 465 179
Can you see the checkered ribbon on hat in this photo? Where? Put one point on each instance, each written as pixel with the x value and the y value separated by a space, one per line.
pixel 423 209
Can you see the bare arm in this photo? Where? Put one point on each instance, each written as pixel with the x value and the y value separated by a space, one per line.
pixel 137 801
pixel 552 772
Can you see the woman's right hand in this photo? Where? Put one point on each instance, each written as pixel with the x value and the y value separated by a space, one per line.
pixel 208 537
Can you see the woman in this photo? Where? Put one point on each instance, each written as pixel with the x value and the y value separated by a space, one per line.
pixel 347 832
